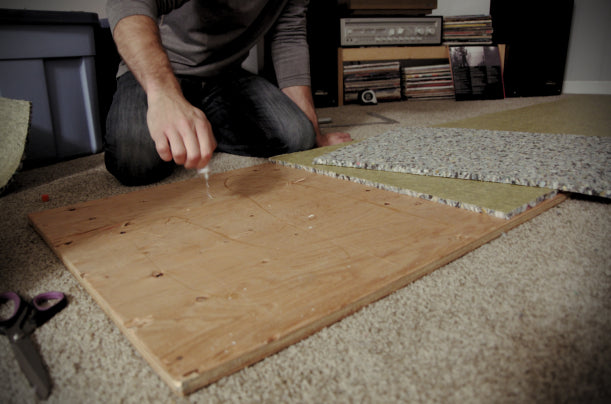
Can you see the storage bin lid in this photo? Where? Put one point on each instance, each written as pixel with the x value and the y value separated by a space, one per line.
pixel 31 34
pixel 28 17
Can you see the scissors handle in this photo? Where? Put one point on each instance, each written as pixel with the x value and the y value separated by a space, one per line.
pixel 47 305
pixel 28 318
pixel 7 322
pixel 18 327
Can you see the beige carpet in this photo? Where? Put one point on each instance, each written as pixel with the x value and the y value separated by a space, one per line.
pixel 525 318
pixel 576 114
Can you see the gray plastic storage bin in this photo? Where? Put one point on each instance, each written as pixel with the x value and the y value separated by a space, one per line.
pixel 48 58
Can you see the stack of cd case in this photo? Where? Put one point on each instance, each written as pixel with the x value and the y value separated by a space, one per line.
pixel 428 82
pixel 383 78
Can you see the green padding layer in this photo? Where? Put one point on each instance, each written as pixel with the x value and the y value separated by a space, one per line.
pixel 500 200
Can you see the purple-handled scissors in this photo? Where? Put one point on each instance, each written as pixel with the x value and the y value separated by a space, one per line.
pixel 21 324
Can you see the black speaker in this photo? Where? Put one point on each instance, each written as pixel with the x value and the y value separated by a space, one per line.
pixel 536 33
pixel 323 38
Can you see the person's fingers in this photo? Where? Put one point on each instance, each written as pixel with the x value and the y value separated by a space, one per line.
pixel 207 142
pixel 346 137
pixel 181 132
pixel 191 144
pixel 334 138
pixel 163 148
pixel 177 147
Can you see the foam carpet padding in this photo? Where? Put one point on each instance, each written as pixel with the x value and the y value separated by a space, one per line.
pixel 574 163
pixel 499 200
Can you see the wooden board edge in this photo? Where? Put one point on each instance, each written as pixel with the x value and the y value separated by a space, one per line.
pixel 82 281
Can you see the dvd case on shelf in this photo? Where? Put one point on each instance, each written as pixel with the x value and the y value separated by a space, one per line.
pixel 476 72
pixel 467 29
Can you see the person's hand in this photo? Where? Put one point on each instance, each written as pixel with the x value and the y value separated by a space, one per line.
pixel 181 132
pixel 302 96
pixel 330 139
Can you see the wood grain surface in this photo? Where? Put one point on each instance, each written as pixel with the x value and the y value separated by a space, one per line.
pixel 204 287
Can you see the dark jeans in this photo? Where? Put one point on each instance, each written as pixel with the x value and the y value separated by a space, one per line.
pixel 249 116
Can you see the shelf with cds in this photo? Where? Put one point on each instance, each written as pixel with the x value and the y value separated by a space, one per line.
pixel 365 55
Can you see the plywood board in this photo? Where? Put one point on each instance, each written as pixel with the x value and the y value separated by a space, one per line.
pixel 573 163
pixel 500 200
pixel 204 287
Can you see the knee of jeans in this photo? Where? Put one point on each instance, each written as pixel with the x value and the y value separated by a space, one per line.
pixel 132 166
pixel 299 135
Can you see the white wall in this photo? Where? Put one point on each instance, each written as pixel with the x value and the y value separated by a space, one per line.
pixel 462 7
pixel 588 67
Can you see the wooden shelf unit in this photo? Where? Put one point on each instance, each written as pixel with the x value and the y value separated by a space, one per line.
pixel 379 53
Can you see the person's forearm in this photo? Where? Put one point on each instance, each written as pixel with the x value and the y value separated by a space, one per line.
pixel 139 44
pixel 180 131
pixel 302 96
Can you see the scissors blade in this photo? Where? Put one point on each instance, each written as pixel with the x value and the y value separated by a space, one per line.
pixel 31 365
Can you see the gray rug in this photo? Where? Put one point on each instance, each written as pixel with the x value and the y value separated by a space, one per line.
pixel 575 163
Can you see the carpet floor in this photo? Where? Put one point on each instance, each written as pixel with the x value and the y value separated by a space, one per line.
pixel 524 318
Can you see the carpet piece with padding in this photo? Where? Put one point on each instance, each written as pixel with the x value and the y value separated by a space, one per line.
pixel 574 163
pixel 494 199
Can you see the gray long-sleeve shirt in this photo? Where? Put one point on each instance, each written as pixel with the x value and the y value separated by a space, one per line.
pixel 203 37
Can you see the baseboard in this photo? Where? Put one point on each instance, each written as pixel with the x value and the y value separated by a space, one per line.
pixel 587 87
